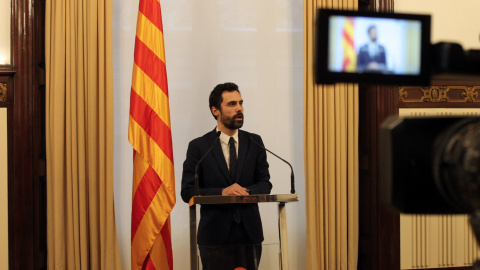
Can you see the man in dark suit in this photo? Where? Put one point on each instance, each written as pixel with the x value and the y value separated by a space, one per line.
pixel 230 235
pixel 371 56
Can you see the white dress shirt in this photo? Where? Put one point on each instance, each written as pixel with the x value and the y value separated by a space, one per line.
pixel 224 138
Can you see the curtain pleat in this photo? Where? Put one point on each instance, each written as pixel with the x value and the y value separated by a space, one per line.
pixel 81 230
pixel 331 159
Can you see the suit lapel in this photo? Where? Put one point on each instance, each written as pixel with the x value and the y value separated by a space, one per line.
pixel 220 158
pixel 243 142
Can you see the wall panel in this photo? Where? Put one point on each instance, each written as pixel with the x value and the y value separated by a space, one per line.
pixel 3 188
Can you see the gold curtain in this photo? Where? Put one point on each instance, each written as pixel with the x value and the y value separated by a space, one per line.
pixel 331 159
pixel 81 231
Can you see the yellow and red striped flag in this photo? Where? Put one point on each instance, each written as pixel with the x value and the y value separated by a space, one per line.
pixel 149 132
pixel 349 55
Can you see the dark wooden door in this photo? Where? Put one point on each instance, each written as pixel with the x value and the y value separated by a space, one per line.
pixel 24 80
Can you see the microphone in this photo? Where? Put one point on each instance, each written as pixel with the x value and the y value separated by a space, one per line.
pixel 197 189
pixel 292 177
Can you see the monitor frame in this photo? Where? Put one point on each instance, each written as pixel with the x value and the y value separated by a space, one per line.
pixel 324 76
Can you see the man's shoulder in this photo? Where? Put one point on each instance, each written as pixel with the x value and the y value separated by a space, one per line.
pixel 364 48
pixel 204 138
pixel 250 136
pixel 242 132
pixel 211 136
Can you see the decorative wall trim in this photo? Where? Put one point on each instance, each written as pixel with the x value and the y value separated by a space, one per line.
pixel 3 91
pixel 433 94
pixel 7 70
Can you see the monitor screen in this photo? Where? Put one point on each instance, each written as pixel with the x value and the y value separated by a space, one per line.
pixel 380 48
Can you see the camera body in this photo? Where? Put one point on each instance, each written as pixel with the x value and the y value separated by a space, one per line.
pixel 430 165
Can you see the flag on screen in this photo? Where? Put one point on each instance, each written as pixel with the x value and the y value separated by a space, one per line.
pixel 149 133
pixel 349 55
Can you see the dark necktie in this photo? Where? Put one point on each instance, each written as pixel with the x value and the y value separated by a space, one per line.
pixel 233 167
pixel 233 157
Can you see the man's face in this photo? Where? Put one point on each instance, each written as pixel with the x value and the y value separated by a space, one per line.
pixel 373 34
pixel 230 114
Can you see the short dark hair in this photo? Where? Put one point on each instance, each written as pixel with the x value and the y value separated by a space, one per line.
pixel 371 27
pixel 216 99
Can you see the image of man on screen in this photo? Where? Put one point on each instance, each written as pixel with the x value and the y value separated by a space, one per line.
pixel 229 235
pixel 371 56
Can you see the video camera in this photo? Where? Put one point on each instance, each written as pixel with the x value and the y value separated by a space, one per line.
pixel 427 165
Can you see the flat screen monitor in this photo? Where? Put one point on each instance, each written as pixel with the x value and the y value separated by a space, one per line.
pixel 368 47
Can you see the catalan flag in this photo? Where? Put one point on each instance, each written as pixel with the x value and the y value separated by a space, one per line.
pixel 349 55
pixel 149 132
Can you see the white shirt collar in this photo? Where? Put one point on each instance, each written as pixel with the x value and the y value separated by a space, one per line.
pixel 225 138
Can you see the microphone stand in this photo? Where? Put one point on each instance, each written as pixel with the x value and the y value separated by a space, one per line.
pixel 197 189
pixel 292 177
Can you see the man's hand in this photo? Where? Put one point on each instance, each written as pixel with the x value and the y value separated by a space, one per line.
pixel 234 189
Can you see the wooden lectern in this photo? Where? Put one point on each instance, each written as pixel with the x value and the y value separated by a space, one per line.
pixel 281 199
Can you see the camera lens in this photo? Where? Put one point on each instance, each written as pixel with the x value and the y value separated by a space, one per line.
pixel 456 164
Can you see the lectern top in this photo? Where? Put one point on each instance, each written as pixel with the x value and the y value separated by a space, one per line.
pixel 258 198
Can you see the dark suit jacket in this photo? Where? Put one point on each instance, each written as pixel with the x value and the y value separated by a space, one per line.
pixel 252 173
pixel 364 58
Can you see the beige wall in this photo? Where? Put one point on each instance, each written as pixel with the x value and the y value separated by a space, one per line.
pixel 5 11
pixel 452 21
pixel 5 32
pixel 3 190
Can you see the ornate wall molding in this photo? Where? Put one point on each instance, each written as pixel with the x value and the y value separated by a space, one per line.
pixel 433 94
pixel 3 91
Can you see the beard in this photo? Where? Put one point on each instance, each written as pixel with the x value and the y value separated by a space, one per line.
pixel 231 122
